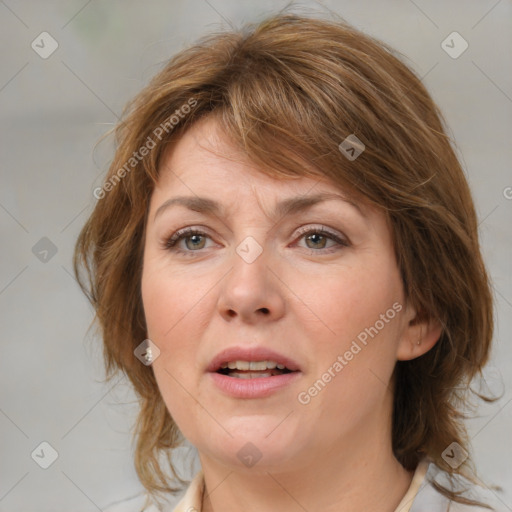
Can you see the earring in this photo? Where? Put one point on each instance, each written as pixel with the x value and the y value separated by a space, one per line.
pixel 418 342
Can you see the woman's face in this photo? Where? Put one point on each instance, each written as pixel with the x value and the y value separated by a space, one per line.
pixel 241 267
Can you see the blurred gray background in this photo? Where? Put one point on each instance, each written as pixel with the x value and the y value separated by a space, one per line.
pixel 54 109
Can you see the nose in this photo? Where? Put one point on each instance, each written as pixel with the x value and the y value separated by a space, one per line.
pixel 252 291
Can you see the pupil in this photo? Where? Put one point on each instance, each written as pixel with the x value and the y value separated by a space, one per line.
pixel 315 236
pixel 194 239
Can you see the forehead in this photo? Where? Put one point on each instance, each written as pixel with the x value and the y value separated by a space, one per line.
pixel 205 153
pixel 205 172
pixel 204 161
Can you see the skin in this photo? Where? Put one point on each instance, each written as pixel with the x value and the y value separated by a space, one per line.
pixel 318 294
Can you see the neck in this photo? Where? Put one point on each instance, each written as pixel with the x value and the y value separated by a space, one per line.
pixel 357 475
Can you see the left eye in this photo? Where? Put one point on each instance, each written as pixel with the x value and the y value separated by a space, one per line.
pixel 319 237
pixel 319 241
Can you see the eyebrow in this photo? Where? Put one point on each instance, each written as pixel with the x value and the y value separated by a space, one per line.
pixel 283 208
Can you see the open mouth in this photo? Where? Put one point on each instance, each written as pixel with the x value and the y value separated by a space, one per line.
pixel 252 369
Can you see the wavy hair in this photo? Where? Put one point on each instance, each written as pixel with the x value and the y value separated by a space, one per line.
pixel 288 91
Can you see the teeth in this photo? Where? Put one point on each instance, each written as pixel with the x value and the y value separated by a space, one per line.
pixel 258 365
pixel 249 375
pixel 252 365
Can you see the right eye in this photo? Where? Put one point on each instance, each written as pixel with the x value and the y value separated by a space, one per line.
pixel 194 240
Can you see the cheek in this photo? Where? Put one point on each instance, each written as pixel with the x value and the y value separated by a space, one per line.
pixel 159 307
pixel 173 306
pixel 356 328
pixel 350 300
pixel 166 305
pixel 169 300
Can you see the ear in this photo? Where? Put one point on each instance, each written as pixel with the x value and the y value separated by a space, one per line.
pixel 419 336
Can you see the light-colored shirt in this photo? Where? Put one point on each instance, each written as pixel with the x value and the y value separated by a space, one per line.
pixel 421 496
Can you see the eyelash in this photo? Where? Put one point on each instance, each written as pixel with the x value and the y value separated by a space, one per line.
pixel 171 242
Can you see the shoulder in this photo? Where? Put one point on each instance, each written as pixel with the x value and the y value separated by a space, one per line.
pixel 140 503
pixel 188 501
pixel 145 502
pixel 429 499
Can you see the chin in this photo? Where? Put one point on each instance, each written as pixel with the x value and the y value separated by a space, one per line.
pixel 256 446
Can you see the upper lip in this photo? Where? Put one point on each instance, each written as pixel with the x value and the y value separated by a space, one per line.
pixel 250 354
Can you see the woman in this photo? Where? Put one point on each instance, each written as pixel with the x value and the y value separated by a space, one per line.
pixel 284 260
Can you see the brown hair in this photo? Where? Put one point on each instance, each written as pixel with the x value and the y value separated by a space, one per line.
pixel 288 92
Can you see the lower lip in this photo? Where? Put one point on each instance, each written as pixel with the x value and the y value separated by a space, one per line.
pixel 259 387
